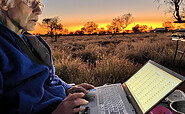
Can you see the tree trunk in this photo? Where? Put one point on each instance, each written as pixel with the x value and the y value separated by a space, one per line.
pixel 56 38
pixel 177 15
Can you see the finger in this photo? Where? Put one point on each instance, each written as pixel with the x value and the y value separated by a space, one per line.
pixel 79 89
pixel 82 89
pixel 76 110
pixel 78 102
pixel 87 86
pixel 74 96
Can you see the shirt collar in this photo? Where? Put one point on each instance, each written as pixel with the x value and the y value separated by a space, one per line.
pixel 10 29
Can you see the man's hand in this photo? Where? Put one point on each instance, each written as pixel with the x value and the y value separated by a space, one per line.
pixel 70 105
pixel 80 88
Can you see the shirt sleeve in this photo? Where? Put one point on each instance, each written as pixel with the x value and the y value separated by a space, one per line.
pixel 58 81
pixel 58 87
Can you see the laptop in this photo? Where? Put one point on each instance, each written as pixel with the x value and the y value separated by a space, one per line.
pixel 138 95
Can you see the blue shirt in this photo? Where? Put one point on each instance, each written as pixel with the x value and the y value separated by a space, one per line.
pixel 26 86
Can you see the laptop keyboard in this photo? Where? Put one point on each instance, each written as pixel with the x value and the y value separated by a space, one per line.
pixel 110 101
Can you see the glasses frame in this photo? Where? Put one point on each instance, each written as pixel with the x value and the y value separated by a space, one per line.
pixel 37 3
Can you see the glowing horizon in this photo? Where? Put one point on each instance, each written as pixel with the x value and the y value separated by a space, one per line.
pixel 74 14
pixel 73 28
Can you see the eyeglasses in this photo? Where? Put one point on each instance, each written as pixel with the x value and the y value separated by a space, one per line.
pixel 33 4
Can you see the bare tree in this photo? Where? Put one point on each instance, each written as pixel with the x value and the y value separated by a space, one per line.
pixel 177 8
pixel 53 25
pixel 121 22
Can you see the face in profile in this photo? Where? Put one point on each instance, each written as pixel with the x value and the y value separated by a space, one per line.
pixel 24 14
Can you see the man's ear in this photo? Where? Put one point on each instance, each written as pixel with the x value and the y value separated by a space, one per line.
pixel 3 5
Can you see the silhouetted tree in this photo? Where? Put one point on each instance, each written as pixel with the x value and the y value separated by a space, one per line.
pixel 65 31
pixel 110 29
pixel 127 31
pixel 83 30
pixel 71 33
pixel 143 28
pixel 102 31
pixel 177 8
pixel 168 25
pixel 150 28
pixel 90 28
pixel 135 29
pixel 78 32
pixel 139 29
pixel 121 22
pixel 179 27
pixel 53 24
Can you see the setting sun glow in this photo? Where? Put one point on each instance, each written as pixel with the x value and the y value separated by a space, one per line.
pixel 74 14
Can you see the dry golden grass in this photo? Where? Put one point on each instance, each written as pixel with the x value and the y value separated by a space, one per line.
pixel 106 59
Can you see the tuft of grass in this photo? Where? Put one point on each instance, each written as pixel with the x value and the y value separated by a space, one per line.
pixel 113 70
pixel 106 59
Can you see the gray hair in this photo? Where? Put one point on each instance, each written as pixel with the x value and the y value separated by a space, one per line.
pixel 11 5
pixel 9 2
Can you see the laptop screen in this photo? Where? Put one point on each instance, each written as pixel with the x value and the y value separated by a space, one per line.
pixel 151 84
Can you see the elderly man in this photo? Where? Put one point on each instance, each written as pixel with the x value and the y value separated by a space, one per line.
pixel 28 83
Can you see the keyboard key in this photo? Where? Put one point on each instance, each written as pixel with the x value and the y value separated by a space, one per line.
pixel 110 101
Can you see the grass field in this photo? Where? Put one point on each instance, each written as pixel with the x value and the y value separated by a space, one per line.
pixel 110 59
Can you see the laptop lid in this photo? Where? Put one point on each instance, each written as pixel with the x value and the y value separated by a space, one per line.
pixel 150 85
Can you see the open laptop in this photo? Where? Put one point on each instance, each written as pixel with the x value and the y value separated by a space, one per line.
pixel 138 95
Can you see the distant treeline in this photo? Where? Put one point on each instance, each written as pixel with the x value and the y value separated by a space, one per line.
pixel 117 26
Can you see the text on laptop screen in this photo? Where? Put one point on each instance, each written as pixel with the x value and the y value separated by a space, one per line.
pixel 150 84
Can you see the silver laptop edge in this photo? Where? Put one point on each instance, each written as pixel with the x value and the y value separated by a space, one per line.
pixel 133 101
pixel 127 96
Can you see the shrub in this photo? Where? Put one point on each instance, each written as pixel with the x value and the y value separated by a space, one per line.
pixel 101 59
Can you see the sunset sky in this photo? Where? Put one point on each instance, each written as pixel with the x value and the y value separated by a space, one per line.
pixel 75 13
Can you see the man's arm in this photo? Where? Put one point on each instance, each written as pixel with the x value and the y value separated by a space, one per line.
pixel 71 104
pixel 59 81
pixel 72 89
pixel 1 92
